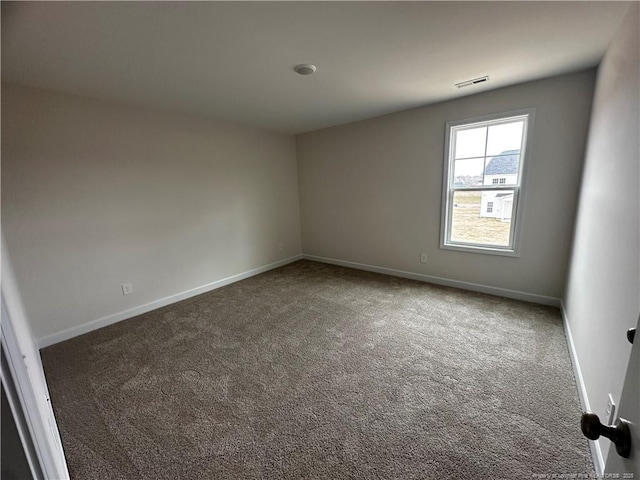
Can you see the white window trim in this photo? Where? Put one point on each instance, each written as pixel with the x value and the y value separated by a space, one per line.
pixel 519 201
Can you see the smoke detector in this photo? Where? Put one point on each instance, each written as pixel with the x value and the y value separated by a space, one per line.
pixel 474 81
pixel 305 69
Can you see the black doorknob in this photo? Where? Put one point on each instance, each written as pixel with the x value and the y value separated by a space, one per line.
pixel 618 433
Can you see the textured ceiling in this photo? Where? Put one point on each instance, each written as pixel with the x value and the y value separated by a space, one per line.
pixel 234 60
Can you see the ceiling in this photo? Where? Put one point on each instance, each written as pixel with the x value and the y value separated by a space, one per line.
pixel 234 60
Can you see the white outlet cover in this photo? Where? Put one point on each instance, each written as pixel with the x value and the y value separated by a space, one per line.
pixel 127 288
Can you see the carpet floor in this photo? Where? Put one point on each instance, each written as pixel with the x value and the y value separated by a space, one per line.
pixel 317 371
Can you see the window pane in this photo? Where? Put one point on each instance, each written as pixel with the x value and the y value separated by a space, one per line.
pixel 470 142
pixel 505 137
pixel 482 217
pixel 502 169
pixel 468 172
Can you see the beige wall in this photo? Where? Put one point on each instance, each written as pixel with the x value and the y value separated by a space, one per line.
pixel 95 194
pixel 370 192
pixel 603 291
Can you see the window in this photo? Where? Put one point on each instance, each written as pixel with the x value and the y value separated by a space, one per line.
pixel 483 182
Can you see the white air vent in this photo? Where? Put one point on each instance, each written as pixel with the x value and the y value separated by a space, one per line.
pixel 472 82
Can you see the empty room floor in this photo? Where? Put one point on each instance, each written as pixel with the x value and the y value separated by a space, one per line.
pixel 318 371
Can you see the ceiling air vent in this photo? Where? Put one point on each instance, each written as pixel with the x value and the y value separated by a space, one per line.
pixel 467 83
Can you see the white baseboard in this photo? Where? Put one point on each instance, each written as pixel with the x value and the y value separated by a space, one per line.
pixel 132 312
pixel 596 451
pixel 475 287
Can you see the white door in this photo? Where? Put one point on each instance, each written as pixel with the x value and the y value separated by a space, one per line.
pixel 630 411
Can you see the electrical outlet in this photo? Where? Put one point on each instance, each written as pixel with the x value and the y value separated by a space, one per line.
pixel 611 410
pixel 127 288
pixel 423 258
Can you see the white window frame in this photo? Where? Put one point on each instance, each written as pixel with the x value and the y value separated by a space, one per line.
pixel 448 189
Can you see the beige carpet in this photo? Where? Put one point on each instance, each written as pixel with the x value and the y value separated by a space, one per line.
pixel 316 371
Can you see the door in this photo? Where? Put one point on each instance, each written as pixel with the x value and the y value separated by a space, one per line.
pixel 630 411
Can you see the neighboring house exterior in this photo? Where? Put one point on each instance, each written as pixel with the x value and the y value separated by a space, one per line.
pixel 501 170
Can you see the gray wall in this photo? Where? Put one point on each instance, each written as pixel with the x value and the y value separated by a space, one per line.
pixel 603 290
pixel 370 192
pixel 95 194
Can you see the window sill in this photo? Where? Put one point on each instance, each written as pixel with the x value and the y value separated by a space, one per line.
pixel 480 249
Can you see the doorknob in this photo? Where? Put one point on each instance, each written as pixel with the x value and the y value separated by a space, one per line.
pixel 618 433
